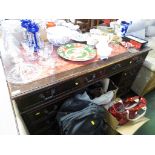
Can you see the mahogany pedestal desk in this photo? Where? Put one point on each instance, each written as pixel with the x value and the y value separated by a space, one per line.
pixel 39 101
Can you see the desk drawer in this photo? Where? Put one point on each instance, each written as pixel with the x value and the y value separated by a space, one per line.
pixel 119 66
pixel 124 65
pixel 39 120
pixel 38 98
pixel 42 114
pixel 128 76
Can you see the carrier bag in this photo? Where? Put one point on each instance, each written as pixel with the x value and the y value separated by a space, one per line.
pixel 78 117
pixel 130 109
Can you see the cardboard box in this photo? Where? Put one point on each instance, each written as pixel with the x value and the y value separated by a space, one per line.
pixel 127 129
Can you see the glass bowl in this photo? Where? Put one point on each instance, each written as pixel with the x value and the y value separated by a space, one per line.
pixel 58 35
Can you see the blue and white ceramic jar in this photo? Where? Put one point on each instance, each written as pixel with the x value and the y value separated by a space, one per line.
pixel 124 27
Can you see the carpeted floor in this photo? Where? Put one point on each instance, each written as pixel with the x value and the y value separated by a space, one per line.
pixel 149 127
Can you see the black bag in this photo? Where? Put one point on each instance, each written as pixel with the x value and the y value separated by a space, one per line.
pixel 78 117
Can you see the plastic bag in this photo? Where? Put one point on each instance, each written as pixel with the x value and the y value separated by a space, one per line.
pixel 131 109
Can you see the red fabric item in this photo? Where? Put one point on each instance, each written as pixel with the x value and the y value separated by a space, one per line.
pixel 130 105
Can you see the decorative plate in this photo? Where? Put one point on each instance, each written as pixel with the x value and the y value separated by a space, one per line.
pixel 76 52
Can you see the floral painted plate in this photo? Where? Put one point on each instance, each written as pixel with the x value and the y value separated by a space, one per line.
pixel 76 52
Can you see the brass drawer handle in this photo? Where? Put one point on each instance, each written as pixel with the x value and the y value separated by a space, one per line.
pixel 51 94
pixel 90 78
pixel 76 83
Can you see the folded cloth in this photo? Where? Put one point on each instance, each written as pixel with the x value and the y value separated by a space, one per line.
pixel 101 100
